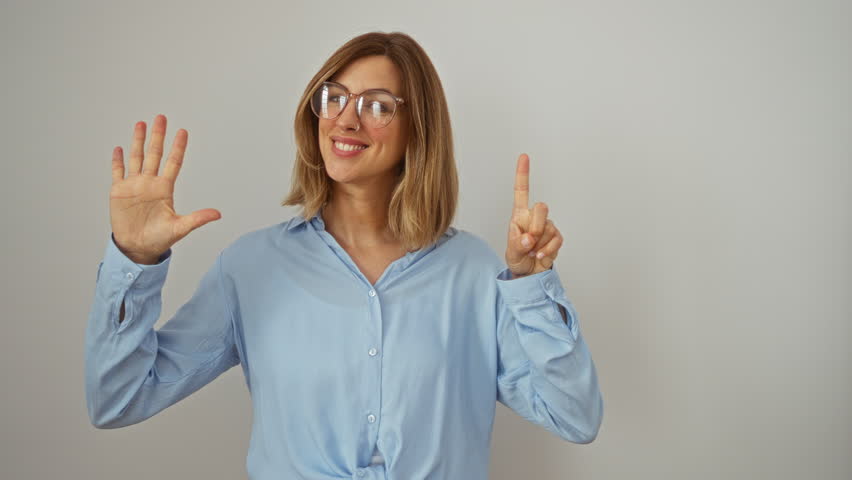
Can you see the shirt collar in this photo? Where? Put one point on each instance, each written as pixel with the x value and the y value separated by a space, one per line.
pixel 296 221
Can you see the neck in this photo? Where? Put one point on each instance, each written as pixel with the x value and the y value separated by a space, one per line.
pixel 358 217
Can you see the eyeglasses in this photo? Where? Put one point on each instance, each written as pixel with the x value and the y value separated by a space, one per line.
pixel 329 100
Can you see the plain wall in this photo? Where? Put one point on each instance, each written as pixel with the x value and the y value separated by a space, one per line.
pixel 695 155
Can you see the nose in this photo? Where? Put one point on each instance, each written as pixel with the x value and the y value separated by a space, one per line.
pixel 348 118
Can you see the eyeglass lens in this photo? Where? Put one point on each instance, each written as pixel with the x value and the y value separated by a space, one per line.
pixel 375 109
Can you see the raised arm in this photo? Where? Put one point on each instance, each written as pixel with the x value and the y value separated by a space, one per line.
pixel 545 369
pixel 131 370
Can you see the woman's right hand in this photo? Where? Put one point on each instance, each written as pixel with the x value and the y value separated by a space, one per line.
pixel 141 206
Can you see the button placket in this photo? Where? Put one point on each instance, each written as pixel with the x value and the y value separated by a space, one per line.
pixel 376 317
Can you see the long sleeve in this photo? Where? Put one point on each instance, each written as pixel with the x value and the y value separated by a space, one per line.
pixel 133 371
pixel 545 372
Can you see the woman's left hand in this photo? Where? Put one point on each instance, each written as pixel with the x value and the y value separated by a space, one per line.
pixel 531 225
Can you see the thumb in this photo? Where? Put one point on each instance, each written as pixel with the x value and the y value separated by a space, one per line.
pixel 198 218
pixel 522 238
pixel 517 250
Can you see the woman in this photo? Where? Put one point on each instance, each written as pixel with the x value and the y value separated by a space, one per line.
pixel 373 336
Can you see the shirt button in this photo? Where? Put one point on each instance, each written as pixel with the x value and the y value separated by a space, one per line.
pixel 129 276
pixel 371 418
pixel 547 284
pixel 372 352
pixel 372 293
pixel 360 472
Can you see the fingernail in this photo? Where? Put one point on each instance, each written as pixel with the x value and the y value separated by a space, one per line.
pixel 539 255
pixel 525 242
pixel 531 254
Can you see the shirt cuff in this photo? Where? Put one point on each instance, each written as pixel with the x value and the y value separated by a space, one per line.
pixel 124 273
pixel 539 288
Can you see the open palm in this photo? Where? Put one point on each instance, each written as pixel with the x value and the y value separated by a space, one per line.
pixel 144 222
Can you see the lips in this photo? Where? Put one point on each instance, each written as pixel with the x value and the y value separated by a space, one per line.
pixel 348 147
pixel 347 150
pixel 347 140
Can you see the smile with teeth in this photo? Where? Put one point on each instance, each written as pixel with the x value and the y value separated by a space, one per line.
pixel 347 147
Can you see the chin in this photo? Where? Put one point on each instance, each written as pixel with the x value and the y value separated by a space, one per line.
pixel 338 173
pixel 337 178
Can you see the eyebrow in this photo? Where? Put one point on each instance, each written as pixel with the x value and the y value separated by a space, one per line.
pixel 366 90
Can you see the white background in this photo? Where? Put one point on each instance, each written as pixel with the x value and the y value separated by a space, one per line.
pixel 695 155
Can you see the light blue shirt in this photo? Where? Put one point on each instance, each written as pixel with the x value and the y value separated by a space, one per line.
pixel 348 380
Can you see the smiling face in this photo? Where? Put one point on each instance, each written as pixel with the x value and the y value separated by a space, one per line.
pixel 378 162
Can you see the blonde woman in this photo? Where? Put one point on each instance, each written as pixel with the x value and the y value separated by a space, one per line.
pixel 375 338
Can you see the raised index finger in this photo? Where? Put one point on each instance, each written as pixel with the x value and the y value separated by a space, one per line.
pixel 522 182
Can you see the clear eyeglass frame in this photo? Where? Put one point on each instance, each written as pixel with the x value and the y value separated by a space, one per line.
pixel 316 102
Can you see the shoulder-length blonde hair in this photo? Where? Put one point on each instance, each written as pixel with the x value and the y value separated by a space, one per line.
pixel 424 198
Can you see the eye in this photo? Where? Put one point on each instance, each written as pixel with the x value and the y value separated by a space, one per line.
pixel 379 107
